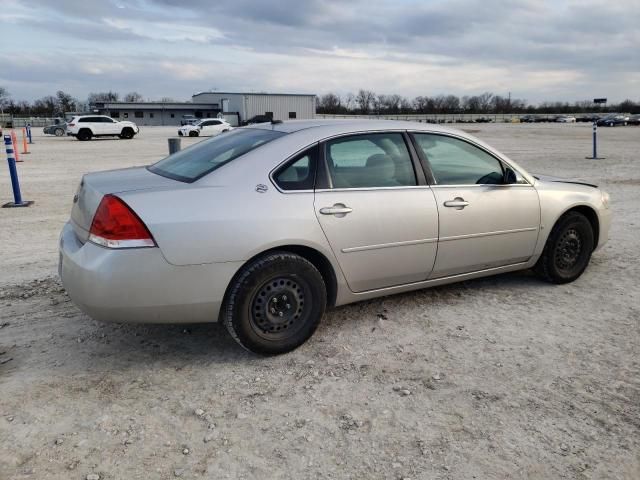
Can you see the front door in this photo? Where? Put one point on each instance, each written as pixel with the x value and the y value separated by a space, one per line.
pixel 381 224
pixel 484 222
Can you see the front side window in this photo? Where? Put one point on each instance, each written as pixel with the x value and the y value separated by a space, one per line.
pixel 456 162
pixel 299 173
pixel 370 160
pixel 192 163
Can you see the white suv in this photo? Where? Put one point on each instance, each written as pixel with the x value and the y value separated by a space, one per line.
pixel 83 127
pixel 212 126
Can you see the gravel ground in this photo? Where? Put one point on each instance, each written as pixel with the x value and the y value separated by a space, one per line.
pixel 504 377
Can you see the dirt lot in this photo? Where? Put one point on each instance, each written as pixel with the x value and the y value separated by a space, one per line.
pixel 504 377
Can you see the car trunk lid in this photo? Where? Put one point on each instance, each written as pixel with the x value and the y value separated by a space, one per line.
pixel 96 185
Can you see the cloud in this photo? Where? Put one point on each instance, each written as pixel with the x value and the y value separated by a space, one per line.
pixel 561 50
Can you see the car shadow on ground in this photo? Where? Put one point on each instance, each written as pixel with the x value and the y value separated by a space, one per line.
pixel 110 345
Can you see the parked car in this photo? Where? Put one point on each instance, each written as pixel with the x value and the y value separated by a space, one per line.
pixel 189 120
pixel 209 126
pixel 527 119
pixel 634 119
pixel 59 128
pixel 483 120
pixel 84 127
pixel 588 118
pixel 612 120
pixel 258 119
pixel 265 227
pixel 565 119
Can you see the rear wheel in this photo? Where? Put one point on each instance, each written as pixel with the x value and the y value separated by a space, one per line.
pixel 84 135
pixel 58 132
pixel 275 303
pixel 568 249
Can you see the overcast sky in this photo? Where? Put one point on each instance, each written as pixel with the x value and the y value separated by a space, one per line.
pixel 537 50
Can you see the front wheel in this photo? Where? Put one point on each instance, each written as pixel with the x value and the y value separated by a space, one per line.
pixel 193 133
pixel 568 249
pixel 127 133
pixel 275 303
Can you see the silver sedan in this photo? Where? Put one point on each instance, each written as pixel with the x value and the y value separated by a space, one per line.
pixel 266 226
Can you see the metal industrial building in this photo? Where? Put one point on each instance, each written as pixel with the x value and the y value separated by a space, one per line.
pixel 278 106
pixel 234 107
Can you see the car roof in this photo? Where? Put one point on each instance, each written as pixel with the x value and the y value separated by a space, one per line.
pixel 338 126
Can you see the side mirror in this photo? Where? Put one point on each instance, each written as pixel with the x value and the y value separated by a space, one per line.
pixel 510 176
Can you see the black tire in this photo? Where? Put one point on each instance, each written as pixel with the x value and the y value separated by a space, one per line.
pixel 568 249
pixel 275 303
pixel 193 133
pixel 84 135
pixel 127 133
pixel 58 132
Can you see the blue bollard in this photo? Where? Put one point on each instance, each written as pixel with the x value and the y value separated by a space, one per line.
pixel 29 133
pixel 13 173
pixel 595 144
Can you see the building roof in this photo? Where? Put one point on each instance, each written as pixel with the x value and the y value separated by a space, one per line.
pixel 157 105
pixel 258 93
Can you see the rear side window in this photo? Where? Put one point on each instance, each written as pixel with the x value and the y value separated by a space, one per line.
pixel 456 162
pixel 299 173
pixel 192 163
pixel 372 160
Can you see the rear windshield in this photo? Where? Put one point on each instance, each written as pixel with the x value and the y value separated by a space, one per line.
pixel 192 163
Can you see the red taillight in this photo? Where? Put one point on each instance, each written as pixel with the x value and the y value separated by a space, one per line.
pixel 115 225
pixel 72 125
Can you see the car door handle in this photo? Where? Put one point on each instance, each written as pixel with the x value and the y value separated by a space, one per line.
pixel 337 209
pixel 457 202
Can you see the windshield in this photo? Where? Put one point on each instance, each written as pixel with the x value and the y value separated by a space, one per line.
pixel 192 163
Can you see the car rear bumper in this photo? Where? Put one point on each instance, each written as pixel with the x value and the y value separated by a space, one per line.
pixel 139 285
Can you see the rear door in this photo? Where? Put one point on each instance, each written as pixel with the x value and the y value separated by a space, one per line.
pixel 486 218
pixel 376 210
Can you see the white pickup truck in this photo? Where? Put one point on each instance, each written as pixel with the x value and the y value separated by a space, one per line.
pixel 83 127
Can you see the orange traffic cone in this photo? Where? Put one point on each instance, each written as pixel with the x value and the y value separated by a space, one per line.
pixel 25 146
pixel 14 140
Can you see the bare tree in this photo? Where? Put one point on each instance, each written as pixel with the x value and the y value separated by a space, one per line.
pixel 484 102
pixel 66 103
pixel 103 97
pixel 349 101
pixel 133 97
pixel 364 99
pixel 329 103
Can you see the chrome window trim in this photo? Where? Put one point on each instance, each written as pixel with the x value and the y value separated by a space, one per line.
pixel 360 189
pixel 470 142
pixel 500 185
pixel 399 130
